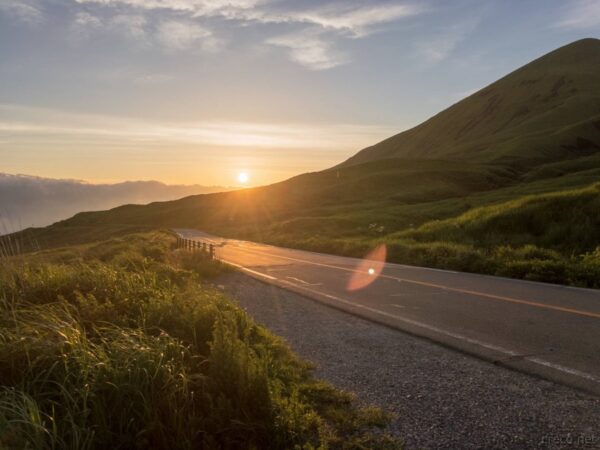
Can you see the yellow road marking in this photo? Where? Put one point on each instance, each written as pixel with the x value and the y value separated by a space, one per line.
pixel 439 286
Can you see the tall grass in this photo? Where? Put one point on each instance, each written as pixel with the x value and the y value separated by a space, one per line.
pixel 125 345
pixel 11 243
pixel 551 237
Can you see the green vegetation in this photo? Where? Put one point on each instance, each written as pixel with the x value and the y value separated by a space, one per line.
pixel 551 237
pixel 503 183
pixel 501 230
pixel 123 344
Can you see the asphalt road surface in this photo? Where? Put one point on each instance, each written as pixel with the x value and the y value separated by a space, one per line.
pixel 543 329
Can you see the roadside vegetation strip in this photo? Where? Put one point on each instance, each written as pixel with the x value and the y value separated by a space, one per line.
pixel 549 237
pixel 121 344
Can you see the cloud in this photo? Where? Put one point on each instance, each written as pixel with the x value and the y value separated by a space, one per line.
pixel 340 16
pixel 356 20
pixel 25 124
pixel 84 25
pixel 198 8
pixel 436 50
pixel 314 47
pixel 33 201
pixel 309 49
pixel 172 35
pixel 178 35
pixel 441 45
pixel 87 20
pixel 131 25
pixel 581 14
pixel 23 11
pixel 323 24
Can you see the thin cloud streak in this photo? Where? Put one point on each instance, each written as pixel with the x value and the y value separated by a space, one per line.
pixel 441 45
pixel 357 21
pixel 26 123
pixel 309 49
pixel 354 19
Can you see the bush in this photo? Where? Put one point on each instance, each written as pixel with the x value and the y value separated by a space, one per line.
pixel 442 255
pixel 535 270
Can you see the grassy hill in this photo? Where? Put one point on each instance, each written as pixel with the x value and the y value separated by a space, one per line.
pixel 548 110
pixel 531 138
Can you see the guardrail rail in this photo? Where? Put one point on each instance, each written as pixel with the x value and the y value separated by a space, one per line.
pixel 196 246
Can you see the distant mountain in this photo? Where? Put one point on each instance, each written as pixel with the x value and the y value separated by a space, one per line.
pixel 548 110
pixel 27 201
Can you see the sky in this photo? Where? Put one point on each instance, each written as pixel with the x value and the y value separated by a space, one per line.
pixel 197 91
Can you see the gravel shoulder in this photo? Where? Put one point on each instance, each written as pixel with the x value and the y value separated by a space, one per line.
pixel 441 398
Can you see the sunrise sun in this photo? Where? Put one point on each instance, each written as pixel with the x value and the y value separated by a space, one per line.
pixel 243 177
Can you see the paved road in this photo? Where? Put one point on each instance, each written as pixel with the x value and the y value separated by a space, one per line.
pixel 548 330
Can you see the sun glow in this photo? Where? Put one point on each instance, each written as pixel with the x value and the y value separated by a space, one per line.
pixel 243 177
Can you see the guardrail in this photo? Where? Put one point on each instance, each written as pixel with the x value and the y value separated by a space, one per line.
pixel 197 246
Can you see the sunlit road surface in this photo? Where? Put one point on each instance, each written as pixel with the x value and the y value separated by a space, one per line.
pixel 547 330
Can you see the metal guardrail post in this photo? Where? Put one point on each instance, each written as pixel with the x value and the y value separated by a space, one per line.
pixel 192 245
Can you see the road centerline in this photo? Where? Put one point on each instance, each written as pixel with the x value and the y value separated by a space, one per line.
pixel 446 288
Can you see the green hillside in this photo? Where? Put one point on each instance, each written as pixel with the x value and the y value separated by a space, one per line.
pixel 548 110
pixel 565 221
pixel 526 142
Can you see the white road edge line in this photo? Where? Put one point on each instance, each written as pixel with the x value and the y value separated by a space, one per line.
pixel 269 277
pixel 456 336
pixel 304 282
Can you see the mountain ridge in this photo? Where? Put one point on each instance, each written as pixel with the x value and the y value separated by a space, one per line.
pixel 562 89
pixel 39 201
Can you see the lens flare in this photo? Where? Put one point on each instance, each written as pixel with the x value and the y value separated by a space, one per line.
pixel 368 270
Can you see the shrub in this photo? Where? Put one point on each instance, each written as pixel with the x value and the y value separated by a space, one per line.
pixel 443 255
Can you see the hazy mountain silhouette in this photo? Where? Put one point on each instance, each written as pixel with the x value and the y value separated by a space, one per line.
pixel 27 201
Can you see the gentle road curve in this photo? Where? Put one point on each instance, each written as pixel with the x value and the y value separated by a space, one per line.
pixel 547 330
